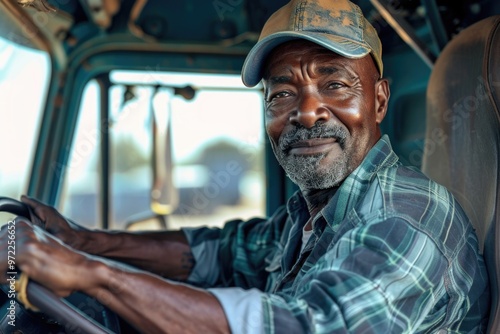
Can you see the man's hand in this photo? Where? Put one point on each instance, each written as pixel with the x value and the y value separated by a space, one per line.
pixel 45 259
pixel 146 301
pixel 53 222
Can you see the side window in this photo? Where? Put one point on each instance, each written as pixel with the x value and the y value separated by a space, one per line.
pixel 24 78
pixel 216 143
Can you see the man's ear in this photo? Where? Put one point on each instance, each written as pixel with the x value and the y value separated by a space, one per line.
pixel 382 94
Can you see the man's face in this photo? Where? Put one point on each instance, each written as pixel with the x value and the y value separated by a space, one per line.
pixel 322 112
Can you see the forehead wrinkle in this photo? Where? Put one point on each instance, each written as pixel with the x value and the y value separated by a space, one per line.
pixel 321 63
pixel 325 68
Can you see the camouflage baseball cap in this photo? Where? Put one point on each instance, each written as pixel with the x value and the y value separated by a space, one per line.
pixel 337 25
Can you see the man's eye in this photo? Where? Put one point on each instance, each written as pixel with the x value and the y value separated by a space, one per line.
pixel 335 85
pixel 279 95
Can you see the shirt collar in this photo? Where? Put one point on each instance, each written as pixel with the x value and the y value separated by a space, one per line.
pixel 355 185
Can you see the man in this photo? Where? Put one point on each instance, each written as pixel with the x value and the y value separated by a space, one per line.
pixel 367 245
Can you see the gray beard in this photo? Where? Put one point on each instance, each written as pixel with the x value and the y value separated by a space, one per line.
pixel 306 171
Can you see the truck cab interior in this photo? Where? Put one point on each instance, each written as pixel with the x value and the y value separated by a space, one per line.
pixel 132 115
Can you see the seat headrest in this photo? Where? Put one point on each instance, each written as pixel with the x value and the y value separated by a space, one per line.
pixel 463 128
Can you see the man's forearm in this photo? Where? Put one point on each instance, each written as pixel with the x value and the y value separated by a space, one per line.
pixel 165 253
pixel 159 306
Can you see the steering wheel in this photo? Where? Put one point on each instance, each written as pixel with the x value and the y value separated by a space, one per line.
pixel 76 313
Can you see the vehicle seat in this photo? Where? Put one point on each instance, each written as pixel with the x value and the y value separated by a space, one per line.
pixel 463 136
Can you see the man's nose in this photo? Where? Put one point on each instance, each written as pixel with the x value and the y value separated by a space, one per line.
pixel 310 110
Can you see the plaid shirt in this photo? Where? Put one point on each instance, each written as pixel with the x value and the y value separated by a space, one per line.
pixel 392 252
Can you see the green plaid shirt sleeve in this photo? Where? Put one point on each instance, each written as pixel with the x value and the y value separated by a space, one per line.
pixel 392 252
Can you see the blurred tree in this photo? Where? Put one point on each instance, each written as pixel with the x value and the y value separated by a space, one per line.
pixel 128 155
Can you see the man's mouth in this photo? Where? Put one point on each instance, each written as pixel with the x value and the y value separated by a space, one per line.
pixel 312 146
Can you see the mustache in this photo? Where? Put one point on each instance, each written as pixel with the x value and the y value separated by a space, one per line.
pixel 301 133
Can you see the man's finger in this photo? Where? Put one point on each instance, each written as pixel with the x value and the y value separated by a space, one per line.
pixel 36 210
pixel 30 201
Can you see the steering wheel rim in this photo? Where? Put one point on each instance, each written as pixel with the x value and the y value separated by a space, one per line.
pixel 63 310
pixel 15 207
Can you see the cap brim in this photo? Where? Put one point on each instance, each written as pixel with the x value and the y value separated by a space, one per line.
pixel 251 72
